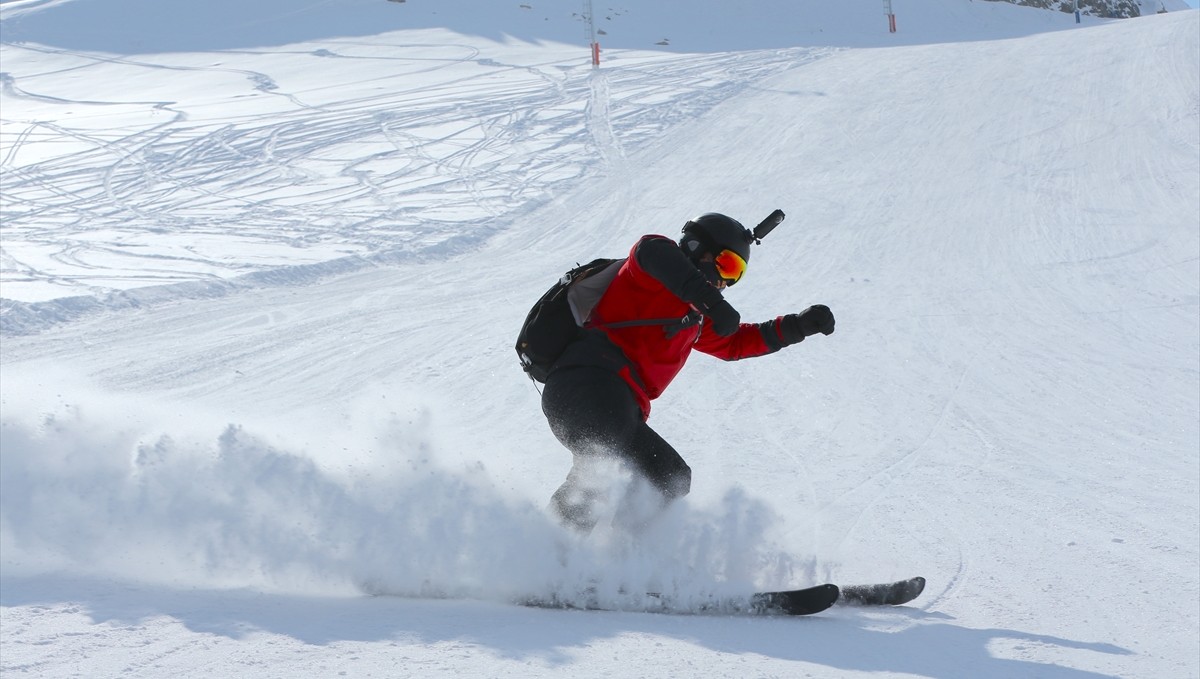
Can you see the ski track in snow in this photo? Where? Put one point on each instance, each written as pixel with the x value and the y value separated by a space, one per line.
pixel 410 171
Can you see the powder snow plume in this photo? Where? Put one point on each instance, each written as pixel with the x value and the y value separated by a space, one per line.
pixel 101 484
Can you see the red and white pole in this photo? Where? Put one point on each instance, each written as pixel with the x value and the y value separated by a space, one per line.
pixel 887 9
pixel 591 33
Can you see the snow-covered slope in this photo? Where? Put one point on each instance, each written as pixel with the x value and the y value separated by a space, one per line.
pixel 200 477
pixel 312 137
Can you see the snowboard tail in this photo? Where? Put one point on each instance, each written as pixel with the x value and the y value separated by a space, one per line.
pixel 885 594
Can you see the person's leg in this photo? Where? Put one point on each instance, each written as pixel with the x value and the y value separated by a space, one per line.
pixel 592 412
pixel 666 477
pixel 659 463
pixel 575 500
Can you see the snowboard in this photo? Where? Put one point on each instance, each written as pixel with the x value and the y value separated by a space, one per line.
pixel 816 599
pixel 805 601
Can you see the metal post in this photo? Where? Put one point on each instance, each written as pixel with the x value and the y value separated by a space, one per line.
pixel 887 9
pixel 591 33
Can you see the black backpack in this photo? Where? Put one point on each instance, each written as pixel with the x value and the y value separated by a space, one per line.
pixel 560 315
pixel 552 323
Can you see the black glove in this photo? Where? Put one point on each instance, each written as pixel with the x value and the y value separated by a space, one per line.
pixel 815 319
pixel 724 318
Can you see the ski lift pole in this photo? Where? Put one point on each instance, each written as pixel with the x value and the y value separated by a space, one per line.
pixel 591 33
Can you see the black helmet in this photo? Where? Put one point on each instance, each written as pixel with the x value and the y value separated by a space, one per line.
pixel 710 233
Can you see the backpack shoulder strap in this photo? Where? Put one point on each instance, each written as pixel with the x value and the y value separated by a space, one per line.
pixel 587 287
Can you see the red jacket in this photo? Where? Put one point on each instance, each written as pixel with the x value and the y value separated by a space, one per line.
pixel 654 354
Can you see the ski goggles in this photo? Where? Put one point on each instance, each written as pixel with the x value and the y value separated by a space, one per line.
pixel 730 266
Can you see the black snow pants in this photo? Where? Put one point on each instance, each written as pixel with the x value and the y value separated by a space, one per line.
pixel 595 415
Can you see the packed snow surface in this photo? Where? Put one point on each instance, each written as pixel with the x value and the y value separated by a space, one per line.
pixel 263 264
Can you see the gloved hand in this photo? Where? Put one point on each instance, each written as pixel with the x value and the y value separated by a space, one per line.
pixel 724 318
pixel 815 319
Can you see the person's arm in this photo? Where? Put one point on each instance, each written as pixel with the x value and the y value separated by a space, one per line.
pixel 759 339
pixel 662 259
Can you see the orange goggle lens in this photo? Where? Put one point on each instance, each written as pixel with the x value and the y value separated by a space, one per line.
pixel 730 266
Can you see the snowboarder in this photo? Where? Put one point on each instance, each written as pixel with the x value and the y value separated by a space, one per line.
pixel 597 395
